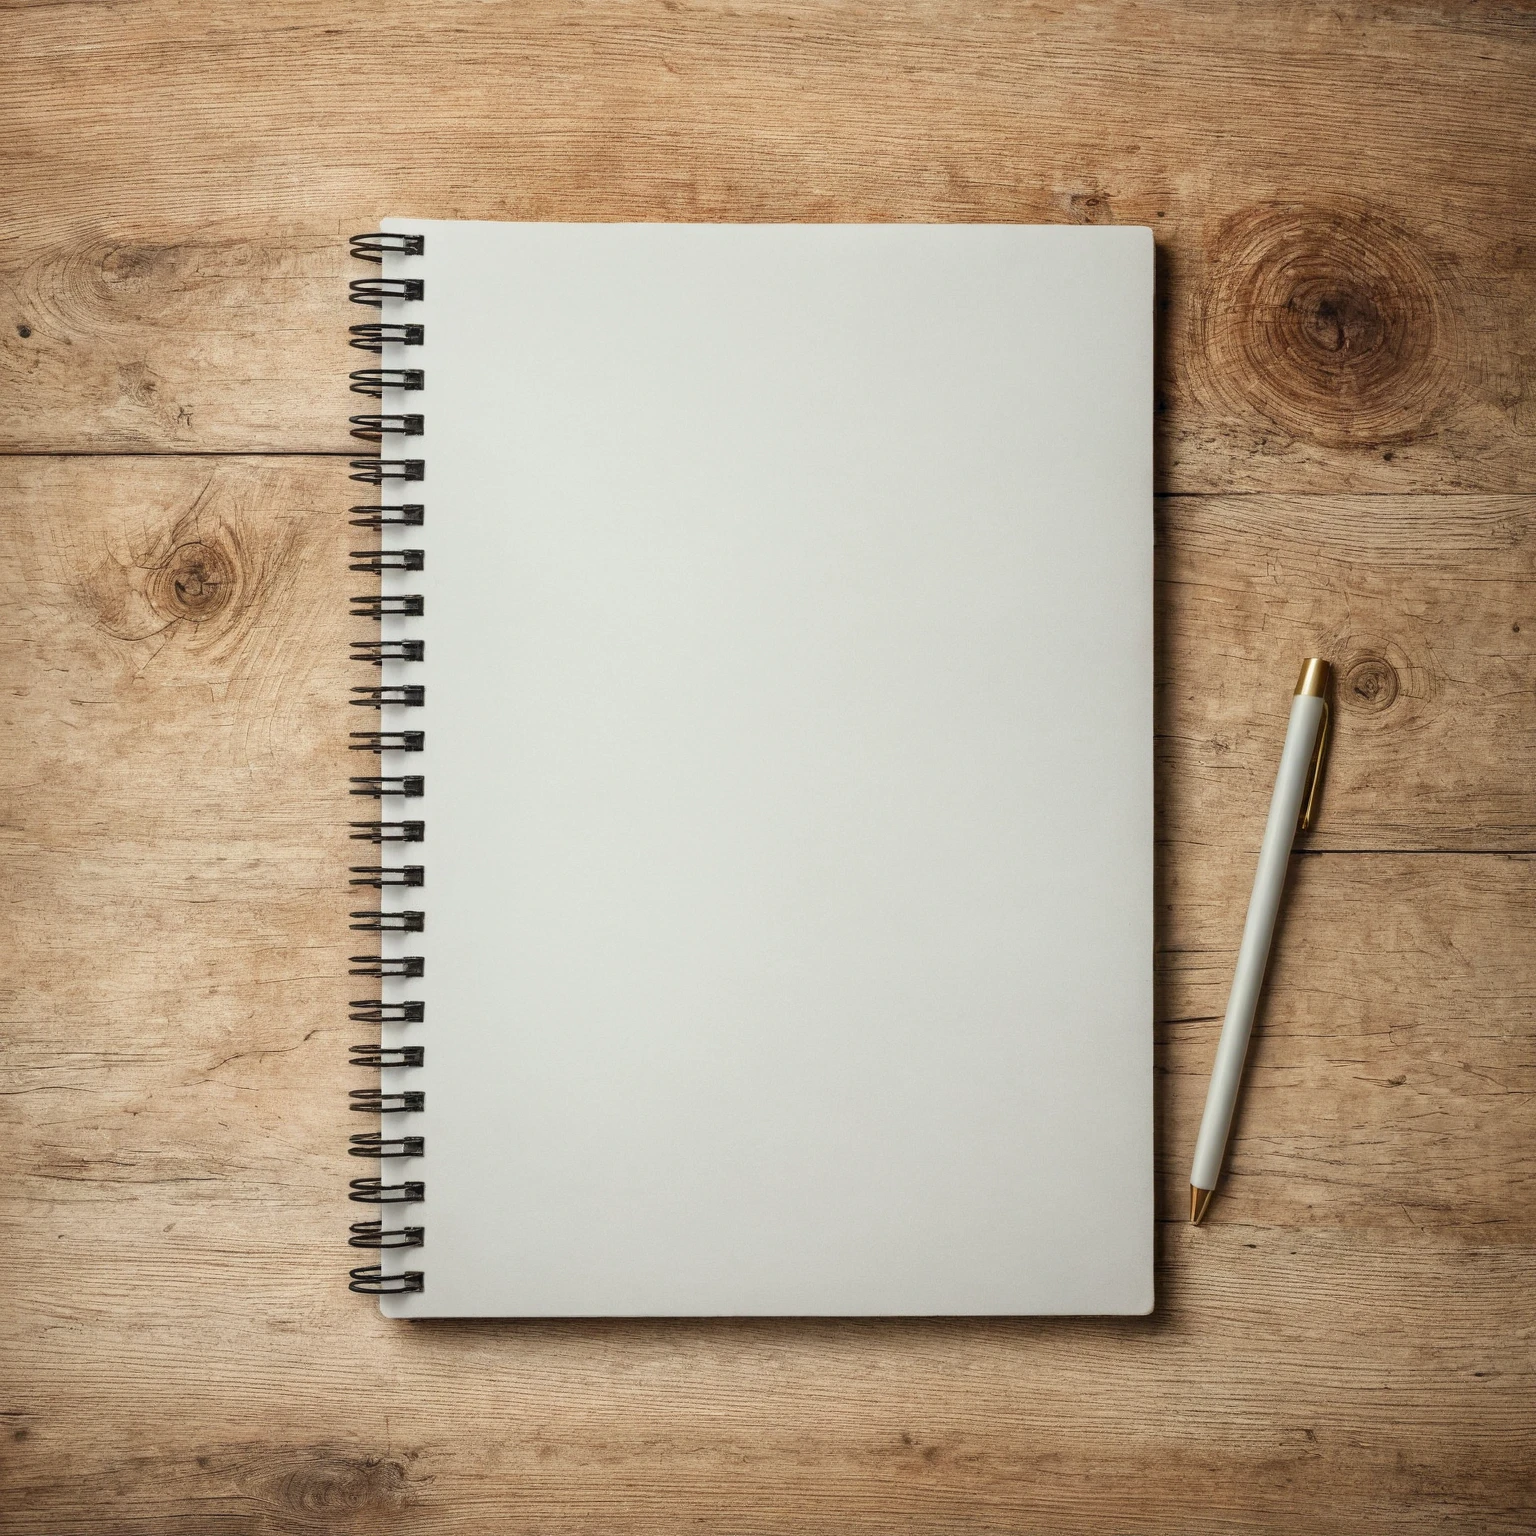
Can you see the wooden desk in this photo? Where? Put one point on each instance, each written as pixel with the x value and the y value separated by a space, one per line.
pixel 1346 212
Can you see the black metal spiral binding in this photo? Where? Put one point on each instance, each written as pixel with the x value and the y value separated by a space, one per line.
pixel 407 695
pixel 380 651
pixel 370 1055
pixel 377 561
pixel 374 290
pixel 376 1055
pixel 374 429
pixel 389 922
pixel 397 966
pixel 371 1101
pixel 388 741
pixel 372 247
pixel 378 471
pixel 410 786
pixel 373 605
pixel 374 1234
pixel 378 1146
pixel 371 338
pixel 374 381
pixel 378 877
pixel 370 1280
pixel 374 1010
pixel 388 831
pixel 411 515
pixel 377 1192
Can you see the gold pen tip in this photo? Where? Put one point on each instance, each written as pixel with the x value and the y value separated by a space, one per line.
pixel 1199 1200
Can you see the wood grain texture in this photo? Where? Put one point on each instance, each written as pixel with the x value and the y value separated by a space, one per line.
pixel 1343 196
pixel 1346 220
pixel 1348 1346
pixel 1426 606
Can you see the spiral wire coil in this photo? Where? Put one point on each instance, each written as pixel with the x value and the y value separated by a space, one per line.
pixel 387 1145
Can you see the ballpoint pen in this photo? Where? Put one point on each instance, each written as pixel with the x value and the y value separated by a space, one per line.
pixel 1290 810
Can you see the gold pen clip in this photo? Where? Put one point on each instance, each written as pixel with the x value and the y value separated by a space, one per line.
pixel 1314 775
pixel 1314 681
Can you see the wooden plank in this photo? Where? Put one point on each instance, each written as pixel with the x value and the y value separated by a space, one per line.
pixel 1427 608
pixel 1393 1061
pixel 1344 198
pixel 141 588
pixel 1305 1381
pixel 1349 1345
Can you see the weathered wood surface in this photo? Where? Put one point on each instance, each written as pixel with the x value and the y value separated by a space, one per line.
pixel 1343 196
pixel 1349 1345
pixel 1427 607
pixel 1346 219
pixel 126 571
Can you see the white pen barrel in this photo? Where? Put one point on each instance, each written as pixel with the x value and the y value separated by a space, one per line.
pixel 1258 931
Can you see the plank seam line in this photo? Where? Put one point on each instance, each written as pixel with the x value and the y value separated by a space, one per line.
pixel 180 453
pixel 1318 853
pixel 346 453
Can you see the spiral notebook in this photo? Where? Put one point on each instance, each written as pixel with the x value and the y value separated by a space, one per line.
pixel 754 770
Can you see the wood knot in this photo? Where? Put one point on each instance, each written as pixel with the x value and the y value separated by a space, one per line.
pixel 138 383
pixel 340 1485
pixel 1329 322
pixel 138 267
pixel 196 582
pixel 201 576
pixel 1090 208
pixel 1370 685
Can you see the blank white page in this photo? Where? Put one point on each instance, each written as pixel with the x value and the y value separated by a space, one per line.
pixel 788 851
